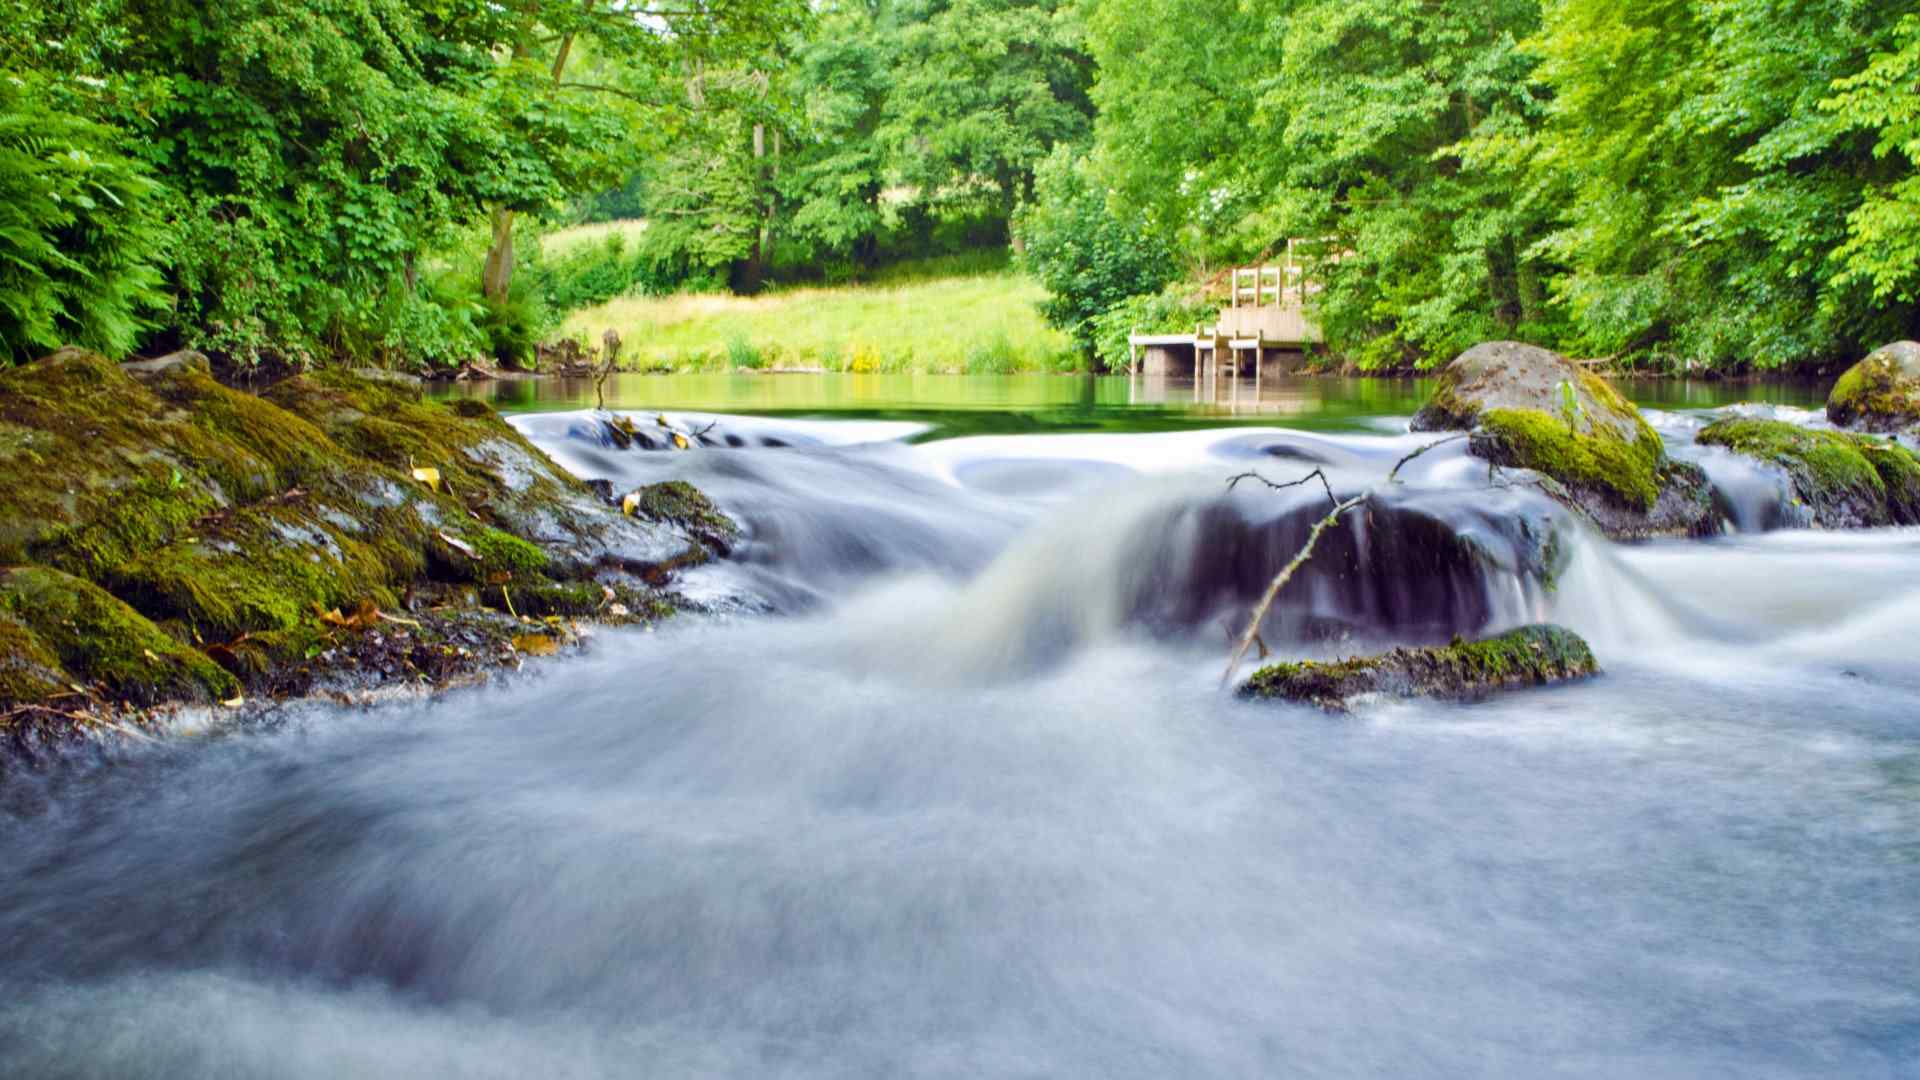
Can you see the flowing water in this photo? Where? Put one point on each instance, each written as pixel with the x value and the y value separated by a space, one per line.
pixel 946 787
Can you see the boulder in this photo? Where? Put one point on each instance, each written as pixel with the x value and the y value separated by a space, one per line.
pixel 1834 479
pixel 196 528
pixel 1529 408
pixel 1881 393
pixel 1460 671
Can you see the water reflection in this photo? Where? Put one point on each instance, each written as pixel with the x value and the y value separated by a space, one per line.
pixel 1011 404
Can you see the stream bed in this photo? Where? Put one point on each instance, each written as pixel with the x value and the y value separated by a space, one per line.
pixel 945 785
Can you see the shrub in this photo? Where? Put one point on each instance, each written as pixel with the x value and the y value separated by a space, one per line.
pixel 80 232
pixel 1089 258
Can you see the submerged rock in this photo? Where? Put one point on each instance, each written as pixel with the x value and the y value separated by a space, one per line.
pixel 1463 670
pixel 1834 479
pixel 1529 408
pixel 215 535
pixel 1881 393
pixel 1406 565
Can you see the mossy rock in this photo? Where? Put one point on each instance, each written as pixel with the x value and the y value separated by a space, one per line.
pixel 1529 408
pixel 1463 670
pixel 173 511
pixel 1842 480
pixel 678 503
pixel 58 619
pixel 1880 393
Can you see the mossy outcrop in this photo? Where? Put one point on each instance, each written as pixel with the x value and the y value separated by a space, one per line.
pixel 1529 408
pixel 159 513
pixel 1881 393
pixel 1835 479
pixel 1462 671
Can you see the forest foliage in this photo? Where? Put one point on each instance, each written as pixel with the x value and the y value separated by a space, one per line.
pixel 1670 184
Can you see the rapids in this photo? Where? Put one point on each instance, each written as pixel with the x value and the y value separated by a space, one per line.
pixel 945 787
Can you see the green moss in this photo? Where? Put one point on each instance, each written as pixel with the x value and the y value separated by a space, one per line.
pixel 91 632
pixel 29 671
pixel 1875 392
pixel 1900 474
pixel 504 551
pixel 1832 459
pixel 1531 655
pixel 677 502
pixel 1598 459
pixel 1845 479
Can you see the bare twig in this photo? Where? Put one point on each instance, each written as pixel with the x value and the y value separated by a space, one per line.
pixel 1393 476
pixel 1280 580
pixel 1317 474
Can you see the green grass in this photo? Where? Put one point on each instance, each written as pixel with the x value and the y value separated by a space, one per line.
pixel 938 316
pixel 561 242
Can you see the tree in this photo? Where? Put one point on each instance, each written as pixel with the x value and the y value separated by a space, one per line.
pixel 981 92
pixel 1089 258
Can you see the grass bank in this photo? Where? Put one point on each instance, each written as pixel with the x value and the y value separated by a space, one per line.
pixel 959 314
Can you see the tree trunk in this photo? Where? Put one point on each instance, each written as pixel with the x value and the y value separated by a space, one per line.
pixel 497 277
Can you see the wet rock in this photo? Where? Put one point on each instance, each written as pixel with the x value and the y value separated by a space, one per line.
pixel 1834 479
pixel 1462 670
pixel 1881 393
pixel 1528 408
pixel 217 530
pixel 1408 565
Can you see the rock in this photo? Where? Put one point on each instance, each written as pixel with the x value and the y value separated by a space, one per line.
pixel 1528 408
pixel 1463 670
pixel 1840 480
pixel 170 509
pixel 59 629
pixel 1881 393
pixel 183 358
pixel 1410 565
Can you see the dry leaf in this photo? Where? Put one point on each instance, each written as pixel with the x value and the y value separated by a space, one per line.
pixel 458 545
pixel 235 701
pixel 151 655
pixel 631 503
pixel 429 477
pixel 618 610
pixel 662 420
pixel 680 441
pixel 535 644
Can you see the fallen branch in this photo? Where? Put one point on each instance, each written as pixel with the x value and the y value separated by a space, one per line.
pixel 1393 476
pixel 1317 474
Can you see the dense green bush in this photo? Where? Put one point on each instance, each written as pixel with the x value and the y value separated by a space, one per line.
pixel 598 272
pixel 81 237
pixel 1087 256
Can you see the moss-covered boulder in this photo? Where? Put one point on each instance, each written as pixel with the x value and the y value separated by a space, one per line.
pixel 1834 479
pixel 248 529
pixel 1529 408
pixel 64 633
pixel 1460 671
pixel 1880 393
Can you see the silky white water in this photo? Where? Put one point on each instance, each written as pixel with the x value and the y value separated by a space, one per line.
pixel 947 788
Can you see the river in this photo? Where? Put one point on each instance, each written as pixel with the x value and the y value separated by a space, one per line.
pixel 945 787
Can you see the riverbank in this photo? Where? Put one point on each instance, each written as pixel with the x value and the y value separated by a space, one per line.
pixel 172 542
pixel 918 318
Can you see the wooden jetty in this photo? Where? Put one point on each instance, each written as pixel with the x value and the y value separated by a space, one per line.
pixel 1266 314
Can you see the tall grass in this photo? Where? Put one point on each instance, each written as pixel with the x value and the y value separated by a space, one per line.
pixel 943 317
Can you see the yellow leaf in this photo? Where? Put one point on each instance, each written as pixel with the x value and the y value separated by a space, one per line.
pixel 151 655
pixel 429 477
pixel 535 644
pixel 235 701
pixel 631 503
pixel 680 441
pixel 662 420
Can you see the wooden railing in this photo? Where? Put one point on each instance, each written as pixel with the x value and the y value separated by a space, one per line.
pixel 1274 284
